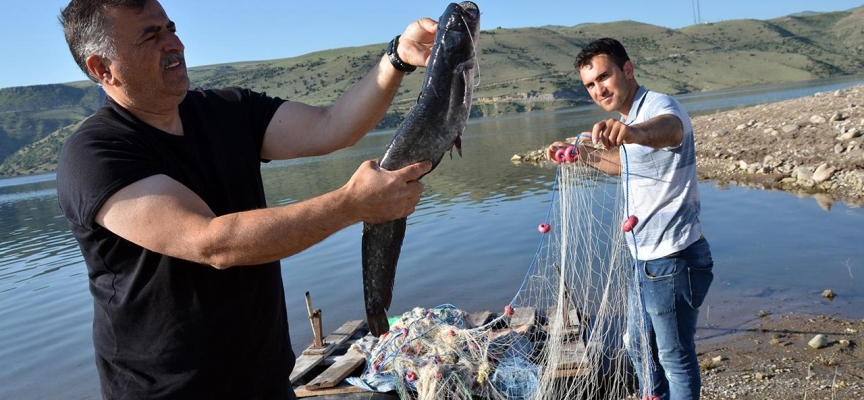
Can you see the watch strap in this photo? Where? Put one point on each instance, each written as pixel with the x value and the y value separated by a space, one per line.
pixel 393 56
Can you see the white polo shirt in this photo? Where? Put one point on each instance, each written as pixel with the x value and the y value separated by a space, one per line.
pixel 661 186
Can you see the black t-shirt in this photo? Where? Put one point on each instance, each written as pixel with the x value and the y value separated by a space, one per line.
pixel 165 327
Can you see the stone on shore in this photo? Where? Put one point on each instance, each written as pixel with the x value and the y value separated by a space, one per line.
pixel 819 341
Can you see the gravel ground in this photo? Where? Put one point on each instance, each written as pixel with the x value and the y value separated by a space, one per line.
pixel 773 359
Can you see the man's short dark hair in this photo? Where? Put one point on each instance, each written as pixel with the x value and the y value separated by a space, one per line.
pixel 88 29
pixel 605 46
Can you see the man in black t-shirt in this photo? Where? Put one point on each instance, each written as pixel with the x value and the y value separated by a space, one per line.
pixel 162 190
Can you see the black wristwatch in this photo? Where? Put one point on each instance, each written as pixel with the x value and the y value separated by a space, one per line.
pixel 397 62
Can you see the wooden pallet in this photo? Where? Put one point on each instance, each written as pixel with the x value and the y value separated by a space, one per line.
pixel 337 359
pixel 320 371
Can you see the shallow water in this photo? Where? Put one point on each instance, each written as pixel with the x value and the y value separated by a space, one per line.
pixel 469 244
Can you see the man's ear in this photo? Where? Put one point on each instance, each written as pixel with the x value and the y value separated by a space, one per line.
pixel 100 67
pixel 628 69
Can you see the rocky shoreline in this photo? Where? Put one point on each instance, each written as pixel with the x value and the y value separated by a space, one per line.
pixel 808 146
pixel 811 145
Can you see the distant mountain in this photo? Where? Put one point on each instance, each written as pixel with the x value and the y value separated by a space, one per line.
pixel 521 70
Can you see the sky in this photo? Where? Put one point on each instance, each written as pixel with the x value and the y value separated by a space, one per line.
pixel 33 50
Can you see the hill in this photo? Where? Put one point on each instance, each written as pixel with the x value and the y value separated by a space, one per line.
pixel 520 70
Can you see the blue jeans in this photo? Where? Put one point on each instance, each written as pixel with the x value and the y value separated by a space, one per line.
pixel 672 290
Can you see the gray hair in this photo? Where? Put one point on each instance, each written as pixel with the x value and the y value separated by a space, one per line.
pixel 88 29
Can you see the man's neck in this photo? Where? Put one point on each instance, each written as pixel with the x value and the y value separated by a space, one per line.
pixel 168 121
pixel 164 117
pixel 628 104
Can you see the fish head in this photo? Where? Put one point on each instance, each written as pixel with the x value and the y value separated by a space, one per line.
pixel 461 22
pixel 463 16
pixel 435 123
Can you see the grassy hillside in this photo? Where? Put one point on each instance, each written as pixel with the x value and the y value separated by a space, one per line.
pixel 520 70
pixel 31 113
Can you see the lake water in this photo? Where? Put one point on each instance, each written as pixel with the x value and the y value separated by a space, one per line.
pixel 469 244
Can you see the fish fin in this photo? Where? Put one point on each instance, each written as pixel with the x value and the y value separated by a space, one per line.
pixel 467 66
pixel 381 246
pixel 457 144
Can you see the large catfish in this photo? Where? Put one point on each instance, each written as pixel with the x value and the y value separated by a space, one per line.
pixel 432 127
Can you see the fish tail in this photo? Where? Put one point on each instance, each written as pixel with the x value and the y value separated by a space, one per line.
pixel 378 323
pixel 381 245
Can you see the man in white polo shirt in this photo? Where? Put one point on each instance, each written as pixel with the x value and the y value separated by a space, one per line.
pixel 652 147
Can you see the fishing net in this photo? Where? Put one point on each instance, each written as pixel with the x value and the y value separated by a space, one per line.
pixel 560 337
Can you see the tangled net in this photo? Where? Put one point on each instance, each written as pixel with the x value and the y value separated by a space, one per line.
pixel 560 337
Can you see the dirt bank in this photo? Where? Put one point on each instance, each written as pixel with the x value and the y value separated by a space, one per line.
pixel 773 359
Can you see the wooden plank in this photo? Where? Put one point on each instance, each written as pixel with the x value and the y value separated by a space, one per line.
pixel 572 356
pixel 336 339
pixel 342 389
pixel 572 319
pixel 315 351
pixel 307 362
pixel 343 367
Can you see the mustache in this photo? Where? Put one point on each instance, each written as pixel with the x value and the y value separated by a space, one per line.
pixel 173 58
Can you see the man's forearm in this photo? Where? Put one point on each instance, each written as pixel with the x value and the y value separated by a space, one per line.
pixel 361 108
pixel 661 131
pixel 270 234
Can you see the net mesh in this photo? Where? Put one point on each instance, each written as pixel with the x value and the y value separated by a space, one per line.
pixel 560 337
